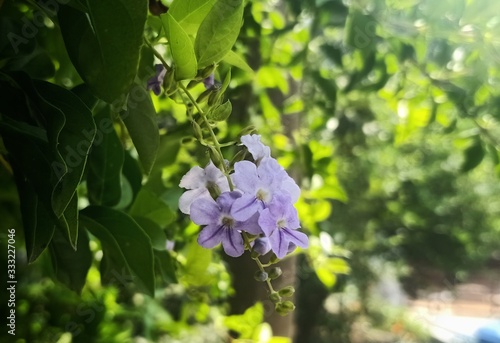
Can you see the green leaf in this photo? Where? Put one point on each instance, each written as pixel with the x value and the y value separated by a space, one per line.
pixel 68 222
pixel 190 13
pixel 132 172
pixel 73 142
pixel 104 44
pixel 71 266
pixel 196 267
pixel 220 112
pixel 37 222
pixel 149 205
pixel 154 232
pixel 182 49
pixel 473 156
pixel 218 32
pixel 125 244
pixel 105 163
pixel 166 265
pixel 246 323
pixel 236 60
pixel 140 120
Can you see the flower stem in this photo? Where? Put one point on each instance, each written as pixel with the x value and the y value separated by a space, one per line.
pixel 259 264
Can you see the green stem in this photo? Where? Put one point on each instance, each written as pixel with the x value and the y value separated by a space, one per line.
pixel 157 54
pixel 259 264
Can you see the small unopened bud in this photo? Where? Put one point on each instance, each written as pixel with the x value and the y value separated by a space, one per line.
pixel 255 255
pixel 206 72
pixel 260 275
pixel 203 96
pixel 285 307
pixel 275 273
pixel 287 291
pixel 192 83
pixel 197 131
pixel 275 297
pixel 214 190
pixel 213 98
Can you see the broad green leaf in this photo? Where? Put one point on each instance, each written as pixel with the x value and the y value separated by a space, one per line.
pixel 71 266
pixel 166 266
pixel 218 32
pixel 105 163
pixel 85 94
pixel 236 60
pixel 181 46
pixel 37 222
pixel 125 243
pixel 197 261
pixel 190 13
pixel 154 232
pixel 148 205
pixel 104 44
pixel 132 172
pixel 473 156
pixel 246 323
pixel 68 222
pixel 74 139
pixel 220 112
pixel 141 123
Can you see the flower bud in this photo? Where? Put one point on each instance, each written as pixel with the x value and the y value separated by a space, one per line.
pixel 203 96
pixel 275 297
pixel 255 255
pixel 260 275
pixel 197 131
pixel 275 273
pixel 192 84
pixel 287 291
pixel 213 98
pixel 206 72
pixel 285 307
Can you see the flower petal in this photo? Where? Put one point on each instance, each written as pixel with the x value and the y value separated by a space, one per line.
pixel 267 222
pixel 279 243
pixel 245 207
pixel 211 235
pixel 288 185
pixel 251 225
pixel 245 176
pixel 188 197
pixel 215 175
pixel 296 237
pixel 233 243
pixel 194 178
pixel 256 147
pixel 205 211
pixel 226 201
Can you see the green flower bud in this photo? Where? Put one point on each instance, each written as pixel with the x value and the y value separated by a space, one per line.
pixel 206 72
pixel 255 255
pixel 203 96
pixel 286 291
pixel 192 84
pixel 285 307
pixel 275 273
pixel 275 297
pixel 197 131
pixel 213 98
pixel 260 275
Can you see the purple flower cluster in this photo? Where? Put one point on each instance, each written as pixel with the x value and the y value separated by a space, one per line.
pixel 262 204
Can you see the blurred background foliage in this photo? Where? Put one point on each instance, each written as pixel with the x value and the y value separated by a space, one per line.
pixel 386 112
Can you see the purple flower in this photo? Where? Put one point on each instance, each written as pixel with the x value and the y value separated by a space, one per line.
pixel 201 183
pixel 209 81
pixel 258 185
pixel 258 150
pixel 280 222
pixel 262 245
pixel 220 225
pixel 156 81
